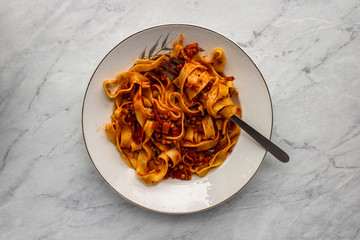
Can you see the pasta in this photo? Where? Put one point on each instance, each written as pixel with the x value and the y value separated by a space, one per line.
pixel 173 128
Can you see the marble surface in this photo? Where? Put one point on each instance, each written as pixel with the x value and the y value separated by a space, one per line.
pixel 309 54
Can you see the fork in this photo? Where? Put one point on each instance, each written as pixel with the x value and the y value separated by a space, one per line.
pixel 168 69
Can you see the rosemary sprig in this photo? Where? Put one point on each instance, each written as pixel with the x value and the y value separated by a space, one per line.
pixel 151 54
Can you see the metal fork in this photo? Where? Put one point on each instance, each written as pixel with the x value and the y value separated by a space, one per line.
pixel 168 69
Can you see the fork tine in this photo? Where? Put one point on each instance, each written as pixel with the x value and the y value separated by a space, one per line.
pixel 169 69
pixel 177 61
pixel 169 75
pixel 170 63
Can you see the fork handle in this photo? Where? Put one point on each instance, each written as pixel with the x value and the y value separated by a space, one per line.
pixel 266 143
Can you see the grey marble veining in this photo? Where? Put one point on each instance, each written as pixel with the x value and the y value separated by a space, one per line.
pixel 309 54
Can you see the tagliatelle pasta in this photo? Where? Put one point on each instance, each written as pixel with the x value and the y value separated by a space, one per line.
pixel 173 128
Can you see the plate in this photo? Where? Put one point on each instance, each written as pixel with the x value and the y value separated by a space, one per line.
pixel 174 196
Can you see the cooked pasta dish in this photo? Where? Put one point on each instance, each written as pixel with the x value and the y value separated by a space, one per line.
pixel 173 127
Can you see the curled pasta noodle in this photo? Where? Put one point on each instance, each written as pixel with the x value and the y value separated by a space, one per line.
pixel 173 128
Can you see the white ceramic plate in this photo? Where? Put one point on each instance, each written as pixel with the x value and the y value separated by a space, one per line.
pixel 172 195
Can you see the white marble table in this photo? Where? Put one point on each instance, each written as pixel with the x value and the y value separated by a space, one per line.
pixel 309 54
